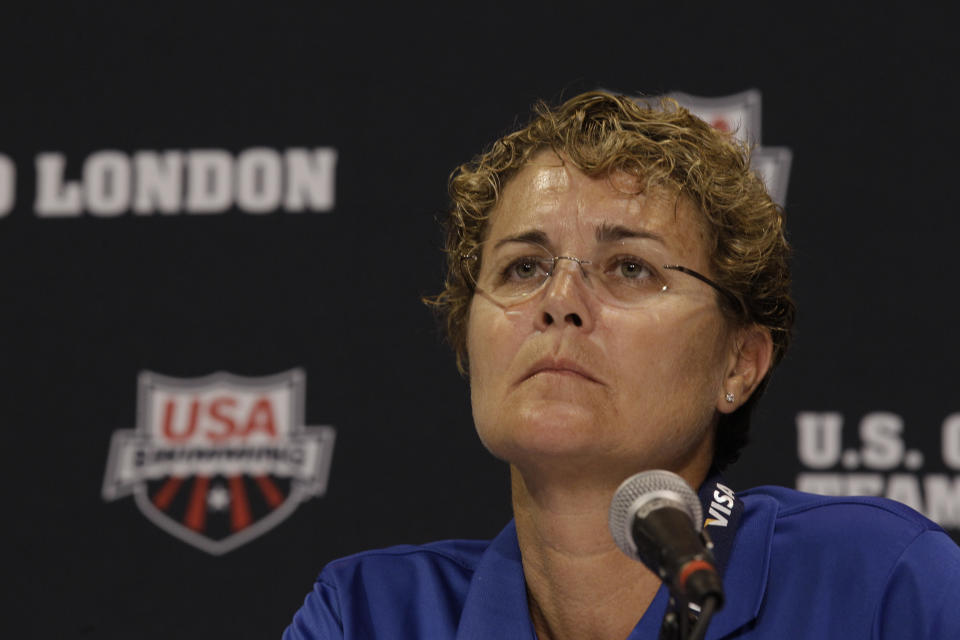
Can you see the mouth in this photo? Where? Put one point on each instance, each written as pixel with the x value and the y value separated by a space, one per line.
pixel 564 368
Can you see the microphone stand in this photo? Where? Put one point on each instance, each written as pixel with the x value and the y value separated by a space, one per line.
pixel 678 619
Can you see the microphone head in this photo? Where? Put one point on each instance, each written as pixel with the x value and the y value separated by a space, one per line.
pixel 642 493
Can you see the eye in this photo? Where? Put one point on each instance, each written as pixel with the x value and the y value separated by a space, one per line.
pixel 629 268
pixel 522 268
pixel 632 268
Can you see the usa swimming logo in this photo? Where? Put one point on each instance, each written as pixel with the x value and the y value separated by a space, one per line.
pixel 741 114
pixel 219 460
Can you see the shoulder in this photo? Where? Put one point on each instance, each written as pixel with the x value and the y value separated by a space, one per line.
pixel 867 532
pixel 853 515
pixel 382 592
pixel 446 560
pixel 886 566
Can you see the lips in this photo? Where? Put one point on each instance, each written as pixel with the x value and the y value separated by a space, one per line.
pixel 560 366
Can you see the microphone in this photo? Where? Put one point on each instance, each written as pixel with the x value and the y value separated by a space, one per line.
pixel 655 517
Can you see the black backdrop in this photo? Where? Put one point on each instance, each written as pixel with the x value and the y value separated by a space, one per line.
pixel 865 100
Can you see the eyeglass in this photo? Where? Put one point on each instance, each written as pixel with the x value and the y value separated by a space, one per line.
pixel 515 271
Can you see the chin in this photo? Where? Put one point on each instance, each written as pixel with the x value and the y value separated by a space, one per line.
pixel 557 429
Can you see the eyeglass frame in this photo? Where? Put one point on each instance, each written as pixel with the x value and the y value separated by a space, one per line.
pixel 726 293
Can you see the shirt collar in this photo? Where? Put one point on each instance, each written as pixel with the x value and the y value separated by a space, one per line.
pixel 745 579
pixel 496 603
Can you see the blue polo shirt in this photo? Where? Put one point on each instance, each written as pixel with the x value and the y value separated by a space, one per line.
pixel 801 566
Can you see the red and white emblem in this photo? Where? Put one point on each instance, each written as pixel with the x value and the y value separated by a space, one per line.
pixel 219 460
pixel 741 115
pixel 738 113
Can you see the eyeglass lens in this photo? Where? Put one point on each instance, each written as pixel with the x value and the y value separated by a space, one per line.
pixel 618 272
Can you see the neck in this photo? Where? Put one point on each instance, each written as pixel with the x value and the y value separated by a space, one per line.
pixel 579 584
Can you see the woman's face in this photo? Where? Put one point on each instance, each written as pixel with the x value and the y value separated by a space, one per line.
pixel 566 378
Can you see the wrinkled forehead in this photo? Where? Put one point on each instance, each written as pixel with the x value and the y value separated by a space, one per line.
pixel 551 195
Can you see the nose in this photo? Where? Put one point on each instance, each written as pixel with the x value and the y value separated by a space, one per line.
pixel 565 301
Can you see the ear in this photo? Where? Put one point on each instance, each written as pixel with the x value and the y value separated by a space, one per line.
pixel 747 365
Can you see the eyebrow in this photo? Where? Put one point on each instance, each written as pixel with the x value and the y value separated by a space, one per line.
pixel 604 233
pixel 614 232
pixel 538 237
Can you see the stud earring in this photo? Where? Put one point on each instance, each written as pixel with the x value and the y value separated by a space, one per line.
pixel 729 397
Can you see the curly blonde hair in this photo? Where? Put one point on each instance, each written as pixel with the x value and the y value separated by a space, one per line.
pixel 663 146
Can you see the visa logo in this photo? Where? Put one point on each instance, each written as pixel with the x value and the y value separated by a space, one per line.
pixel 720 506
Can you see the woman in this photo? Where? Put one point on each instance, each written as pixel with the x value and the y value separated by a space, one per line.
pixel 618 292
